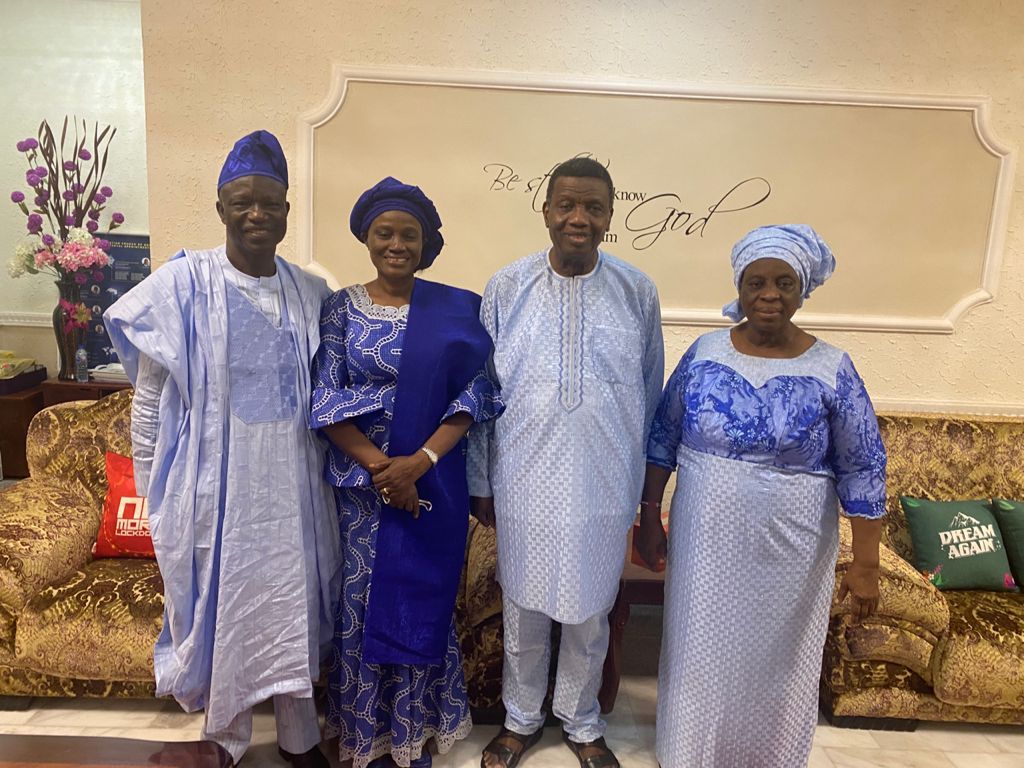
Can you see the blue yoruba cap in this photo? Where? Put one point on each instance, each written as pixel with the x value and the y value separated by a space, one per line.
pixel 258 154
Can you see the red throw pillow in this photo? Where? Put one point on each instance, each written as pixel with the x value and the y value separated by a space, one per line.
pixel 124 531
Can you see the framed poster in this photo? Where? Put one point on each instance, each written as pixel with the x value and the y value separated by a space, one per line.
pixel 129 266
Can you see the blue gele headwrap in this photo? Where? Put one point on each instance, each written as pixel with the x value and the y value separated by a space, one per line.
pixel 390 194
pixel 258 154
pixel 796 244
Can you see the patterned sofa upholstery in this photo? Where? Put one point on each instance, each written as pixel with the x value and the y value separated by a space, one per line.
pixel 931 655
pixel 74 626
pixel 70 625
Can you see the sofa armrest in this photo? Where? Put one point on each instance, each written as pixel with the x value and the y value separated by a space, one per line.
pixel 479 594
pixel 47 529
pixel 906 596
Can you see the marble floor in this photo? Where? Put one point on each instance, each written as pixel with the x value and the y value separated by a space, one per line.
pixel 630 733
pixel 630 727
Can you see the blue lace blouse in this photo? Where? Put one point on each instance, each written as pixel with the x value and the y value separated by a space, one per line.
pixel 355 374
pixel 806 414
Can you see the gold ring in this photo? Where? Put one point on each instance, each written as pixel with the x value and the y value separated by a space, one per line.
pixel 385 494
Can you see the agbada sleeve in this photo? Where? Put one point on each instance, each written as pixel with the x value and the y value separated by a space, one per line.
pixel 154 319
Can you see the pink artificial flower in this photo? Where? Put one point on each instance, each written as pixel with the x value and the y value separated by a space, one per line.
pixel 76 256
pixel 45 258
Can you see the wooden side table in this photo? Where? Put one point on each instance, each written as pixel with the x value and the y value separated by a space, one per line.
pixel 60 391
pixel 16 411
pixel 638 586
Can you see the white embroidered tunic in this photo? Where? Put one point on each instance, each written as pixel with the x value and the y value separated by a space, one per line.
pixel 581 364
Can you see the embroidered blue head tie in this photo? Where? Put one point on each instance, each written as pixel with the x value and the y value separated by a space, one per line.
pixel 390 194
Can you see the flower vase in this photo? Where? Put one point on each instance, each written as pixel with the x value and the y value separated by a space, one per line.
pixel 68 338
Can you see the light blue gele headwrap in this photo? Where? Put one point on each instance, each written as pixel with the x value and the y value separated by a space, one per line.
pixel 796 244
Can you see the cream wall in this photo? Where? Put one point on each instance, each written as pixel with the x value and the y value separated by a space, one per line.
pixel 65 57
pixel 215 71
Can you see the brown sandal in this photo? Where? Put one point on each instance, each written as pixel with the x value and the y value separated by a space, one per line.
pixel 606 760
pixel 510 757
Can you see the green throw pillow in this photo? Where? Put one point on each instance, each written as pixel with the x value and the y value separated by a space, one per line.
pixel 1010 515
pixel 957 544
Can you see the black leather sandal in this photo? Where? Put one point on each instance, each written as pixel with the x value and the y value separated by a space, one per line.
pixel 312 758
pixel 510 757
pixel 605 760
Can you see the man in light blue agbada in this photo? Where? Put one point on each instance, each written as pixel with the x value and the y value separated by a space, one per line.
pixel 218 344
pixel 578 352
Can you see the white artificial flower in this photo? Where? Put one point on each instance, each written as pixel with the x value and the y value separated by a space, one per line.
pixel 26 249
pixel 79 235
pixel 16 267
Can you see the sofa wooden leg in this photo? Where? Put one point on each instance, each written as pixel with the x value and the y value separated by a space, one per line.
pixel 15 703
pixel 860 723
pixel 873 723
pixel 613 661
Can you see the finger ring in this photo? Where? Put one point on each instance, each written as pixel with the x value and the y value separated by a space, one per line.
pixel 385 494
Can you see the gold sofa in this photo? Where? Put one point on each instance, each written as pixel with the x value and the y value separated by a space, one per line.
pixel 931 655
pixel 74 626
pixel 71 625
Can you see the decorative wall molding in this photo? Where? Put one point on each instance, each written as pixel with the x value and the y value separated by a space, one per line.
pixel 939 320
pixel 34 319
pixel 951 407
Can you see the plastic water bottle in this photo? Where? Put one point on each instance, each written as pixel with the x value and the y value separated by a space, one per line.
pixel 81 365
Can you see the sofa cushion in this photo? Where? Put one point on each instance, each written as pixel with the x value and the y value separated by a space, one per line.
pixel 99 624
pixel 957 544
pixel 67 442
pixel 1010 515
pixel 46 532
pixel 947 457
pixel 980 660
pixel 18 680
pixel 7 621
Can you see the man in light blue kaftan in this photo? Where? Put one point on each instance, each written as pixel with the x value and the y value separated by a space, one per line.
pixel 765 447
pixel 579 358
pixel 219 345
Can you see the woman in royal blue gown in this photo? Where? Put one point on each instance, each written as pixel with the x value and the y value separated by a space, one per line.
pixel 768 427
pixel 398 380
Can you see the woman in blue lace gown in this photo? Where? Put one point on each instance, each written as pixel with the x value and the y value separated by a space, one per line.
pixel 767 427
pixel 398 380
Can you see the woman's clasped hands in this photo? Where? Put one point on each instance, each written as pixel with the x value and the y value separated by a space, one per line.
pixel 395 478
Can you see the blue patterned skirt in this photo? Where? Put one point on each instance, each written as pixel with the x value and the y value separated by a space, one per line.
pixel 380 709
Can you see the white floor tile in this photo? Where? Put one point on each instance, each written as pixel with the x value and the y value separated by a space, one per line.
pixel 819 759
pixel 16 717
pixel 985 760
pixel 85 713
pixel 631 734
pixel 827 736
pixel 936 739
pixel 847 757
